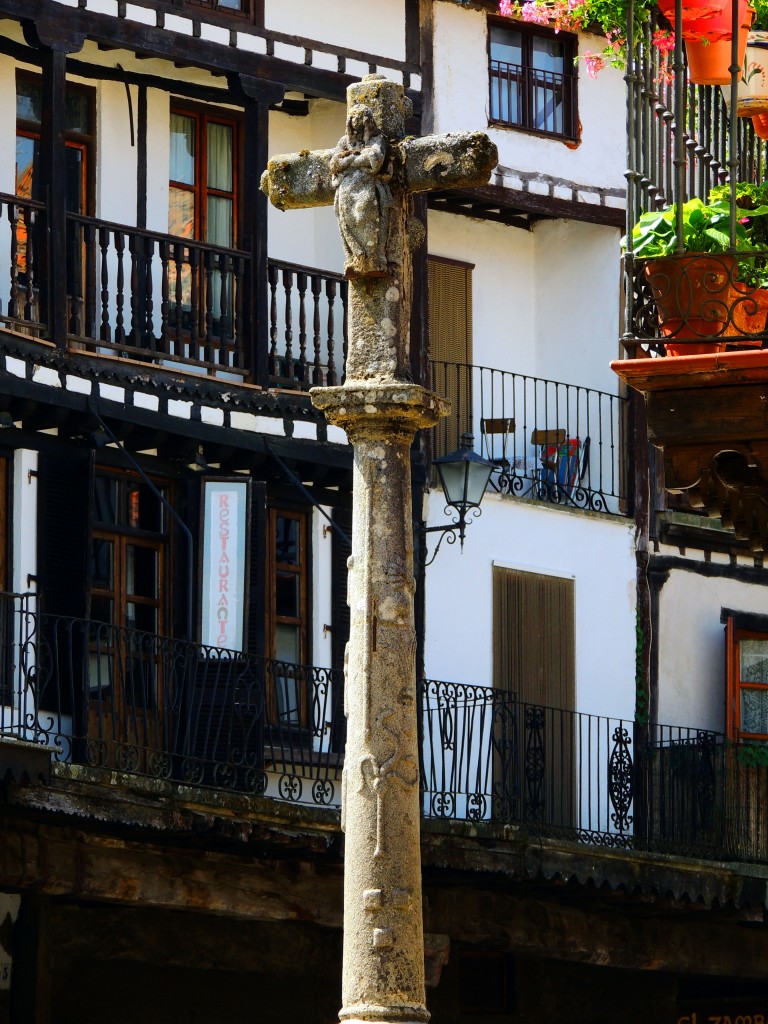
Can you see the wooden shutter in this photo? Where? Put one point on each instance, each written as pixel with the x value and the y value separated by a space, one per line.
pixel 340 552
pixel 450 340
pixel 533 637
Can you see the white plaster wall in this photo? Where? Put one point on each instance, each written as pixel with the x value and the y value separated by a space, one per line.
pixel 158 158
pixel 691 645
pixel 8 126
pixel 321 588
pixel 545 302
pixel 596 551
pixel 461 103
pixel 116 159
pixel 577 302
pixel 378 28
pixel 503 286
pixel 308 237
pixel 24 554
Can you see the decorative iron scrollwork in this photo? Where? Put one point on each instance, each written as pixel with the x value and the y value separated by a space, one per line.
pixel 620 779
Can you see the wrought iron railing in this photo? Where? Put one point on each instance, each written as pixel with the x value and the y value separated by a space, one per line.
pixel 532 98
pixel 680 144
pixel 131 701
pixel 550 441
pixel 127 701
pixel 607 781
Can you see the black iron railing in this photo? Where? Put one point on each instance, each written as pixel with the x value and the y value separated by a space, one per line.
pixel 550 441
pixel 130 701
pixel 608 781
pixel 531 98
pixel 680 144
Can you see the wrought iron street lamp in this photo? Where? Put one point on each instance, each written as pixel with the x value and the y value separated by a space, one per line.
pixel 464 477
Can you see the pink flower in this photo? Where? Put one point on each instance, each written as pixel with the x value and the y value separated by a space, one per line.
pixel 663 40
pixel 743 220
pixel 594 63
pixel 506 7
pixel 534 12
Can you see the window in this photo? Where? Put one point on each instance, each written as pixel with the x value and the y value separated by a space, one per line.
pixel 747 677
pixel 287 626
pixel 202 206
pixel 533 79
pixel 252 10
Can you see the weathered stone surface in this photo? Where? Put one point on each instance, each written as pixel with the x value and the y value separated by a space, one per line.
pixel 375 170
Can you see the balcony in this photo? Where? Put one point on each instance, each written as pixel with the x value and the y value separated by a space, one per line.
pixel 550 441
pixel 130 702
pixel 171 301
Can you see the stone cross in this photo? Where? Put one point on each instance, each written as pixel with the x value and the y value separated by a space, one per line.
pixel 370 177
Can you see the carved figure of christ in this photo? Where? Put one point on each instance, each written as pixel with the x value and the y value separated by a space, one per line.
pixel 371 177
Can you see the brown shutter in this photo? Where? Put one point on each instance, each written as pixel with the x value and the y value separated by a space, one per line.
pixel 533 637
pixel 450 339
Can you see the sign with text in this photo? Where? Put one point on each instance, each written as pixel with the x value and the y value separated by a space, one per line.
pixel 225 521
pixel 725 1015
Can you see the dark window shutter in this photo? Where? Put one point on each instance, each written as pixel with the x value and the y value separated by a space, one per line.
pixel 64 513
pixel 257 572
pixel 340 552
pixel 65 489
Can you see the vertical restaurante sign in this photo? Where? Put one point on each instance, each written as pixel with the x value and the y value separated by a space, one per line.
pixel 225 517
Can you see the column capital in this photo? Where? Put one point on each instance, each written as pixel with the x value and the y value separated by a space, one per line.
pixel 380 409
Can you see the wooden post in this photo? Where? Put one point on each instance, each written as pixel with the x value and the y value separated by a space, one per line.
pixel 54 180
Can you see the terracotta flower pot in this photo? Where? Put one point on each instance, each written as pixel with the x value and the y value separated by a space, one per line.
pixel 760 124
pixel 749 315
pixel 708 45
pixel 693 295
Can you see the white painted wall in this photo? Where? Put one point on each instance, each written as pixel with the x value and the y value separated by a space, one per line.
pixel 158 158
pixel 24 515
pixel 461 103
pixel 308 237
pixel 545 302
pixel 596 551
pixel 691 645
pixel 376 28
pixel 116 159
pixel 321 588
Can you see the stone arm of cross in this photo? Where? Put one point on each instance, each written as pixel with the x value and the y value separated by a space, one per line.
pixel 302 180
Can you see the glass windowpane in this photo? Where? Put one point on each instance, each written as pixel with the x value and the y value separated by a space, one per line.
pixel 141 616
pixel 287 595
pixel 753 657
pixel 754 711
pixel 220 221
pixel 287 541
pixel 29 100
pixel 182 149
pixel 548 54
pixel 287 643
pixel 76 113
pixel 73 165
pixel 102 564
pixel 233 5
pixel 506 45
pixel 105 500
pixel 27 157
pixel 141 571
pixel 181 213
pixel 101 611
pixel 220 156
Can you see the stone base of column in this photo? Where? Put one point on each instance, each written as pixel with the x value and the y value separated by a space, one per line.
pixel 384 1015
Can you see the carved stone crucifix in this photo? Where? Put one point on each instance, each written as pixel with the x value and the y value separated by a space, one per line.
pixel 370 177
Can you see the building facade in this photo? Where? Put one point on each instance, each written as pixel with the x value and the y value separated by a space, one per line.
pixel 174 531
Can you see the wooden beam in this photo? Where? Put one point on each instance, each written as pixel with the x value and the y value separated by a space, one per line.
pixel 519 201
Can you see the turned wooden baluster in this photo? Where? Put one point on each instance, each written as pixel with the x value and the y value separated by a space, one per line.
pixel 240 272
pixel 288 289
pixel 148 327
pixel 120 285
pixel 301 283
pixel 165 257
pixel 106 327
pixel 136 325
pixel 31 313
pixel 194 290
pixel 273 278
pixel 89 232
pixel 178 252
pixel 331 378
pixel 317 372
pixel 208 260
pixel 14 220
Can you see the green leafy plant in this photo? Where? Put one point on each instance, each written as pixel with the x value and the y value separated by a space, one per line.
pixel 705 228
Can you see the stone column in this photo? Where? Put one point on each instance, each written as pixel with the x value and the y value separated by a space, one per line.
pixel 383 971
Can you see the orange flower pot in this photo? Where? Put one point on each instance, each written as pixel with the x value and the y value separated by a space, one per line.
pixel 693 296
pixel 708 45
pixel 760 124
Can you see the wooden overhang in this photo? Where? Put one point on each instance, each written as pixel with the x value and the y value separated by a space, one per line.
pixel 709 415
pixel 522 208
pixel 29 406
pixel 66 28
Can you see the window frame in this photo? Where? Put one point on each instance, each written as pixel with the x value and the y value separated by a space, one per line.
pixel 570 41
pixel 252 15
pixel 202 115
pixel 738 628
